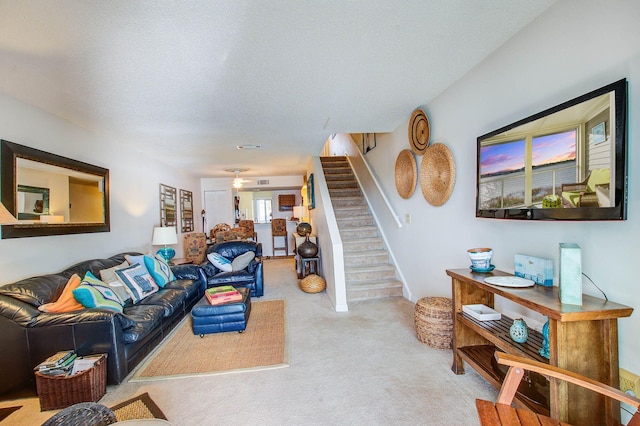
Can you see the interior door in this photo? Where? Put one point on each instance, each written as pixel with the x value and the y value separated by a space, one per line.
pixel 217 209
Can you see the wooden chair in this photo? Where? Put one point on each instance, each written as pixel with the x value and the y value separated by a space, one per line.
pixel 195 247
pixel 582 194
pixel 220 227
pixel 249 229
pixel 279 229
pixel 502 413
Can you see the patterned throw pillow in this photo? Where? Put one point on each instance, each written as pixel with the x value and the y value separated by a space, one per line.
pixel 137 279
pixel 93 293
pixel 242 261
pixel 159 270
pixel 134 259
pixel 111 279
pixel 220 262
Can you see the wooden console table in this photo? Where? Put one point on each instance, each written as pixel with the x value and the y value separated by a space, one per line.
pixel 582 339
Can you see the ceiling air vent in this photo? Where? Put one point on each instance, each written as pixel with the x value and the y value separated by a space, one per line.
pixel 248 146
pixel 263 181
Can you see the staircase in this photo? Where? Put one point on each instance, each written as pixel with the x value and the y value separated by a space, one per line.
pixel 369 275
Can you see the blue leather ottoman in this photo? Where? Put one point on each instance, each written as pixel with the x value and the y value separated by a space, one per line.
pixel 206 318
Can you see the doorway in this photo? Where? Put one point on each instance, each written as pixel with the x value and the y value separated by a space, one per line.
pixel 216 206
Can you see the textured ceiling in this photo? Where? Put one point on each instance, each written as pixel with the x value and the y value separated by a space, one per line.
pixel 187 81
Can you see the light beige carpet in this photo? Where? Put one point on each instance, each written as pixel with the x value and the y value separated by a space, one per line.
pixel 263 345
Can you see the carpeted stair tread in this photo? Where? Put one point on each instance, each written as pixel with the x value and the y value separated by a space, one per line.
pixel 347 177
pixel 385 283
pixel 368 231
pixel 373 289
pixel 362 244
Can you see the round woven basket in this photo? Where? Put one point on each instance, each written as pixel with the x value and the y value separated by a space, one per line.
pixel 437 174
pixel 406 173
pixel 433 321
pixel 419 132
pixel 312 284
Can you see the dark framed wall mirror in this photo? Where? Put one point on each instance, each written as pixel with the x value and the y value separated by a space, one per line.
pixel 52 194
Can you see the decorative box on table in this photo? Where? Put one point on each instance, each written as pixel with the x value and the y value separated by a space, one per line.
pixel 57 392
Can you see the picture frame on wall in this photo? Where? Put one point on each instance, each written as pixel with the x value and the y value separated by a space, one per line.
pixel 186 210
pixel 369 142
pixel 311 196
pixel 167 205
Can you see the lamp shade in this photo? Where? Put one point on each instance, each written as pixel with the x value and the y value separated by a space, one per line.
pixel 6 218
pixel 300 212
pixel 164 235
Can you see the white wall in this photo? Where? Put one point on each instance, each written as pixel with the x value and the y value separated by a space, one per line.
pixel 134 200
pixel 575 47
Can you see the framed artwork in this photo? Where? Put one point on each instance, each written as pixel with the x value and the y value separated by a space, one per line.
pixel 311 196
pixel 167 205
pixel 286 202
pixel 32 202
pixel 598 133
pixel 186 210
pixel 368 142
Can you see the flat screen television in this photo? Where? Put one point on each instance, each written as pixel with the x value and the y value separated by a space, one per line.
pixel 568 162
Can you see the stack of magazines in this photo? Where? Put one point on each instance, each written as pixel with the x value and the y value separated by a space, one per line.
pixel 60 363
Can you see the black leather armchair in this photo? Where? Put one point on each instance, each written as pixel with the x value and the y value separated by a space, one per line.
pixel 250 277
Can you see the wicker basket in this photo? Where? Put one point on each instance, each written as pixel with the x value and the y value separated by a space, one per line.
pixel 434 325
pixel 313 284
pixel 86 386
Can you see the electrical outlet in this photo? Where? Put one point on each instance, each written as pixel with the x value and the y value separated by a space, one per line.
pixel 407 218
pixel 629 382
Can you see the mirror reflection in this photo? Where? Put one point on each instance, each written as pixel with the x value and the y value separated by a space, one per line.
pixel 70 195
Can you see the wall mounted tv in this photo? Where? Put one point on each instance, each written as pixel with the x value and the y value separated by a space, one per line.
pixel 568 162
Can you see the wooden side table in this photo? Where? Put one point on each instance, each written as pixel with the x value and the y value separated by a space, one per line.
pixel 308 265
pixel 180 261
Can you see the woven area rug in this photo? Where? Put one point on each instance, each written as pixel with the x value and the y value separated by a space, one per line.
pixel 263 345
pixel 139 407
pixel 6 412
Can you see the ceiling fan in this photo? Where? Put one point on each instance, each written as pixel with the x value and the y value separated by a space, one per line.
pixel 238 181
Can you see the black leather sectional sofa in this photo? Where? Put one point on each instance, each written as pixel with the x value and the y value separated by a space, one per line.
pixel 28 336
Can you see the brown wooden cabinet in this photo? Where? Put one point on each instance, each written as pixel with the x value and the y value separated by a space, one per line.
pixel 583 339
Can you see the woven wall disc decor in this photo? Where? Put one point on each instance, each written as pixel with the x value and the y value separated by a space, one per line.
pixel 437 174
pixel 419 132
pixel 406 173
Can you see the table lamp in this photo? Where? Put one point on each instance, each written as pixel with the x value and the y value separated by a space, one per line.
pixel 163 236
pixel 300 212
pixel 6 218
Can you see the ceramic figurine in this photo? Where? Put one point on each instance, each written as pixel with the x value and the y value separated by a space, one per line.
pixel 544 350
pixel 518 331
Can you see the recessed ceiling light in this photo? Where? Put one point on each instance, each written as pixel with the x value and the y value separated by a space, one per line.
pixel 248 146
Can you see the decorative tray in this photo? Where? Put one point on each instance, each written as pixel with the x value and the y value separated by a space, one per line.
pixel 481 312
pixel 509 281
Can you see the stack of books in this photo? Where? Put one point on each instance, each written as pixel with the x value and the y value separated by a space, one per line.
pixel 58 364
pixel 222 295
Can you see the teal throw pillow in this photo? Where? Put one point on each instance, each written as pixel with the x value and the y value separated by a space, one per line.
pixel 241 262
pixel 93 293
pixel 159 270
pixel 137 279
pixel 220 262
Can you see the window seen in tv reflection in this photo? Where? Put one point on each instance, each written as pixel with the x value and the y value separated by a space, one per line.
pixel 522 172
